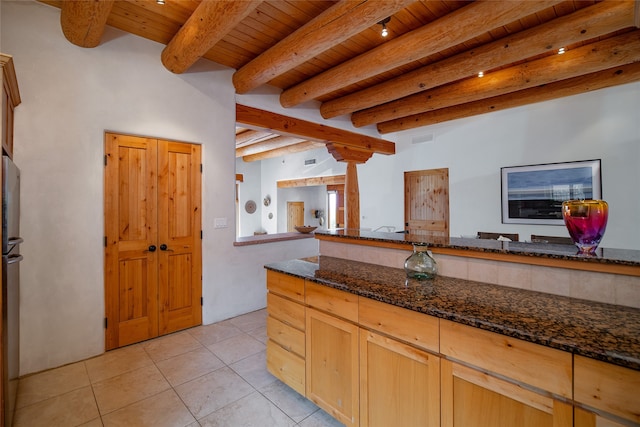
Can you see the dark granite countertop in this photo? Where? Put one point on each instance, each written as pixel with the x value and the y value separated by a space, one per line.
pixel 606 332
pixel 627 257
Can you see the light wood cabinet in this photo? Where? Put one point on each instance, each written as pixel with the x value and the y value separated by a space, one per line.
pixel 286 330
pixel 10 100
pixel 586 418
pixel 332 365
pixel 399 384
pixel 605 387
pixel 493 383
pixel 472 398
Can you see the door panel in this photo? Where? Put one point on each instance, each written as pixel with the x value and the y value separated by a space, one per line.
pixel 427 202
pixel 295 215
pixel 130 229
pixel 180 284
pixel 153 267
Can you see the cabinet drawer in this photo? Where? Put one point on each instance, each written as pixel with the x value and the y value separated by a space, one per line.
pixel 286 285
pixel 333 301
pixel 286 311
pixel 543 367
pixel 607 387
pixel 289 338
pixel 415 328
pixel 286 366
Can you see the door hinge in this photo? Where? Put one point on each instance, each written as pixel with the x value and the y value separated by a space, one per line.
pixel 105 241
pixel 105 323
pixel 201 234
pixel 201 300
pixel 105 160
pixel 200 167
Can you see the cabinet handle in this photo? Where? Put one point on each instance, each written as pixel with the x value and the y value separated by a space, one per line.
pixel 164 247
pixel 152 248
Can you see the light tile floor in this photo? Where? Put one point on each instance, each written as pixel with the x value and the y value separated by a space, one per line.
pixel 212 375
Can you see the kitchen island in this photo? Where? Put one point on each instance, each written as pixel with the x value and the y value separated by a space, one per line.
pixel 563 358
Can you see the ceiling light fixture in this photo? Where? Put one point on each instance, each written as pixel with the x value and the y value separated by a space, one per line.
pixel 384 23
pixel 160 1
pixel 561 51
pixel 481 74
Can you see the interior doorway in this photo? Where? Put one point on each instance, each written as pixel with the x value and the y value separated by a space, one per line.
pixel 426 202
pixel 295 215
pixel 153 247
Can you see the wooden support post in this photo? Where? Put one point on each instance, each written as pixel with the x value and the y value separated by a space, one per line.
pixel 352 197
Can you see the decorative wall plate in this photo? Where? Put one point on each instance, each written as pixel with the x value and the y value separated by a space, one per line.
pixel 250 206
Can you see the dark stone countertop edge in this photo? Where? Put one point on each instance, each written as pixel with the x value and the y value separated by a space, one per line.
pixel 306 270
pixel 270 238
pixel 627 257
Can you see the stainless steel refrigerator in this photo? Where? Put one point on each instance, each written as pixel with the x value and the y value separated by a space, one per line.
pixel 10 285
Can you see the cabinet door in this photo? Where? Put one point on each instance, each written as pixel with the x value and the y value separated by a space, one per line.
pixel 472 398
pixel 584 418
pixel 399 384
pixel 332 366
pixel 609 388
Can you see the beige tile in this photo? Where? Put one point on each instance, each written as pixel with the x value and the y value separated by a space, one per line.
pixel 289 401
pixel 125 389
pixel 593 286
pixel 116 362
pixel 252 410
pixel 70 409
pixel 236 348
pixel 171 345
pixel 211 334
pixel 483 271
pixel 207 394
pixel 627 290
pixel 250 321
pixel 254 370
pixel 514 275
pixel 47 384
pixel 451 266
pixel 188 366
pixel 556 281
pixel 164 409
pixel 320 419
pixel 260 334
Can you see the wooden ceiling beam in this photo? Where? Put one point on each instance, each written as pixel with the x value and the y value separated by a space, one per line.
pixel 615 51
pixel 345 153
pixel 272 143
pixel 84 22
pixel 290 126
pixel 283 151
pixel 587 23
pixel 335 25
pixel 208 24
pixel 582 84
pixel 457 27
pixel 250 137
pixel 313 181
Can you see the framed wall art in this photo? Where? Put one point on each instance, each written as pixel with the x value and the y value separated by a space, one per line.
pixel 534 194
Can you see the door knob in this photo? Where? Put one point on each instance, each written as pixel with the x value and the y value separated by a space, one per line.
pixel 164 247
pixel 152 248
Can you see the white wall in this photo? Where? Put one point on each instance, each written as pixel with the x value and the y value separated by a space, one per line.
pixel 604 124
pixel 70 96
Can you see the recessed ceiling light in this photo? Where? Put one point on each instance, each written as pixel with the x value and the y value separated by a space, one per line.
pixel 561 51
pixel 481 74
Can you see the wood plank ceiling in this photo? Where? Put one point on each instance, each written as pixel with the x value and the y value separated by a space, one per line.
pixel 424 71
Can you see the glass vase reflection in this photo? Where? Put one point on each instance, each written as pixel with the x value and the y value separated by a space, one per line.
pixel 586 221
pixel 420 265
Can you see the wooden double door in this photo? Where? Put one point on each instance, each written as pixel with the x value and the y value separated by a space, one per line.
pixel 153 247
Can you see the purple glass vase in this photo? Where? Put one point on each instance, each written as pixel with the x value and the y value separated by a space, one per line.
pixel 586 221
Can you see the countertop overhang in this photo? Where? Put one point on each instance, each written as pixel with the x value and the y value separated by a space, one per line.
pixel 605 332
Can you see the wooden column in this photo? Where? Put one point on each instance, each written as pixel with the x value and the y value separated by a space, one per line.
pixel 352 197
pixel 352 156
